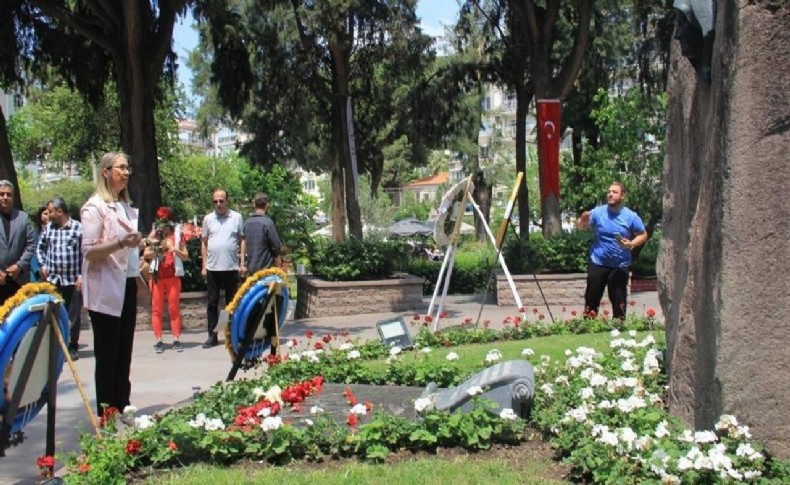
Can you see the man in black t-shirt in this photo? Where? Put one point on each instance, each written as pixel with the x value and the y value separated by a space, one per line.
pixel 263 242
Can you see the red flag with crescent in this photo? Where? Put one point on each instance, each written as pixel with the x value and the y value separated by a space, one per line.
pixel 549 137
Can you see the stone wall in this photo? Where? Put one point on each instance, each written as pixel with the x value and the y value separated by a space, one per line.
pixel 559 289
pixel 318 298
pixel 724 260
pixel 193 310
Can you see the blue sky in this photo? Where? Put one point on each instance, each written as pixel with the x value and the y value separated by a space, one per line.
pixel 432 13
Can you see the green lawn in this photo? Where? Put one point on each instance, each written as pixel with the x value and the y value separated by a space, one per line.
pixel 470 356
pixel 423 471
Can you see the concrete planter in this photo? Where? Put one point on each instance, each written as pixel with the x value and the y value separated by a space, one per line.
pixel 559 289
pixel 319 298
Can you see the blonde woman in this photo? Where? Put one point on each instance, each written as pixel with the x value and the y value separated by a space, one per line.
pixel 110 246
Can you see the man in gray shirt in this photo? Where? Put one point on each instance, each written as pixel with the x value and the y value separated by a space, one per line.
pixel 222 246
pixel 263 242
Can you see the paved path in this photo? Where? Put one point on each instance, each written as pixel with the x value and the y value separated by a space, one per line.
pixel 160 381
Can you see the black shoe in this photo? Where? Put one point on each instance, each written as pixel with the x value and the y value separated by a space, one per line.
pixel 159 347
pixel 211 341
pixel 74 354
pixel 177 346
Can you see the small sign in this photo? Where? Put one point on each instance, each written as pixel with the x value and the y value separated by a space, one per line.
pixel 393 332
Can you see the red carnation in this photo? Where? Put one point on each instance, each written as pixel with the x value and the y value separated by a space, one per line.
pixel 46 463
pixel 318 346
pixel 133 447
pixel 428 318
pixel 309 334
pixel 172 445
pixel 573 313
pixel 327 338
pixel 350 397
pixel 368 406
pixel 650 313
pixel 352 420
pixel 163 213
pixel 416 316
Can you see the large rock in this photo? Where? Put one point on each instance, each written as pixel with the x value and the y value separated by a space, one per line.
pixel 724 266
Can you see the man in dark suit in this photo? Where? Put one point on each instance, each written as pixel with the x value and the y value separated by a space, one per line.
pixel 16 244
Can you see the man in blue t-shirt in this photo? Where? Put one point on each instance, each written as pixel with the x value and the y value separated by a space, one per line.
pixel 618 230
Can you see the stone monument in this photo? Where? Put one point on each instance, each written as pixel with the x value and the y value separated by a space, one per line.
pixel 725 258
pixel 510 384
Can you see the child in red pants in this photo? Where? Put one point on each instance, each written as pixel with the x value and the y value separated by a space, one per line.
pixel 166 250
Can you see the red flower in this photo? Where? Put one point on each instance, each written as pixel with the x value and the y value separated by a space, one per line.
pixel 428 318
pixel 109 414
pixel 172 445
pixel 352 420
pixel 163 213
pixel 563 309
pixel 297 407
pixel 344 333
pixel 443 314
pixel 46 463
pixel 368 406
pixel 541 316
pixel 486 324
pixel 309 334
pixel 294 342
pixel 650 313
pixel 416 316
pixel 318 346
pixel 516 321
pixel 521 309
pixel 133 447
pixel 84 468
pixel 573 313
pixel 632 303
pixel 273 360
pixel 327 338
pixel 350 397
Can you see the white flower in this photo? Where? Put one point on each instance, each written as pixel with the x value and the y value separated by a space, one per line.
pixel 628 436
pixel 493 355
pixel 452 356
pixel 586 392
pixel 214 424
pixel 129 409
pixel 354 354
pixel 395 351
pixel 687 436
pixel 647 341
pixel 670 479
pixel 309 422
pixel 527 352
pixel 605 404
pixel 258 393
pixel 508 414
pixel 751 474
pixel 547 389
pixel 265 412
pixel 662 429
pixel 625 354
pixel 597 380
pixel 726 421
pixel 608 438
pixel 274 394
pixel 578 414
pixel 705 437
pixel 614 333
pixel 745 450
pixel 562 380
pixel 632 333
pixel 568 352
pixel 426 350
pixel 630 404
pixel 598 429
pixel 143 422
pixel 423 404
pixel 295 357
pixel 545 359
pixel 289 344
pixel 271 423
pixel 316 410
pixel 346 346
pixel 474 390
pixel 359 409
pixel 628 366
pixel 684 464
pixel 741 432
pixel 733 473
pixel 199 421
pixel 719 459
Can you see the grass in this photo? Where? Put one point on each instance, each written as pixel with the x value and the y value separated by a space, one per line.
pixel 470 356
pixel 422 471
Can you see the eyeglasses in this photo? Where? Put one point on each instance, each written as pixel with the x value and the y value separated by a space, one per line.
pixel 123 168
pixel 219 201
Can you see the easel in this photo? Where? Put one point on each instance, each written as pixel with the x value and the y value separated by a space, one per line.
pixel 254 325
pixel 449 256
pixel 47 322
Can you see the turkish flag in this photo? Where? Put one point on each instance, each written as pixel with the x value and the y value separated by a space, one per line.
pixel 549 136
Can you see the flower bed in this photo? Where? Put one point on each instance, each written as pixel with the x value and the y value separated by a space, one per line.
pixel 603 412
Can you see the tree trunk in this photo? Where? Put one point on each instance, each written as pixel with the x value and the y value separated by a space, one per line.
pixel 523 98
pixel 482 196
pixel 7 169
pixel 340 103
pixel 338 202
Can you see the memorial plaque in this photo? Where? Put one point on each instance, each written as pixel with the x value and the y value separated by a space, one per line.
pixel 510 384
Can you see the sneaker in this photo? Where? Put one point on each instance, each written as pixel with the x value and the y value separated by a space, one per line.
pixel 159 347
pixel 211 341
pixel 73 354
pixel 177 346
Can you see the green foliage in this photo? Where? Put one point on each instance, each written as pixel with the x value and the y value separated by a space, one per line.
pixel 564 253
pixel 192 279
pixel 470 272
pixel 411 207
pixel 188 183
pixel 74 192
pixel 354 260
pixel 645 264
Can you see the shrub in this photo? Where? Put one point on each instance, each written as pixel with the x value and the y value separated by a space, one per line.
pixel 564 253
pixel 645 264
pixel 469 273
pixel 355 260
pixel 192 279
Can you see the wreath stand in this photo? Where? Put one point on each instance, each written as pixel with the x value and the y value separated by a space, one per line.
pixel 47 322
pixel 455 210
pixel 257 325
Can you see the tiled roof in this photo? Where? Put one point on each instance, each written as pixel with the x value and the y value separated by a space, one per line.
pixel 437 179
